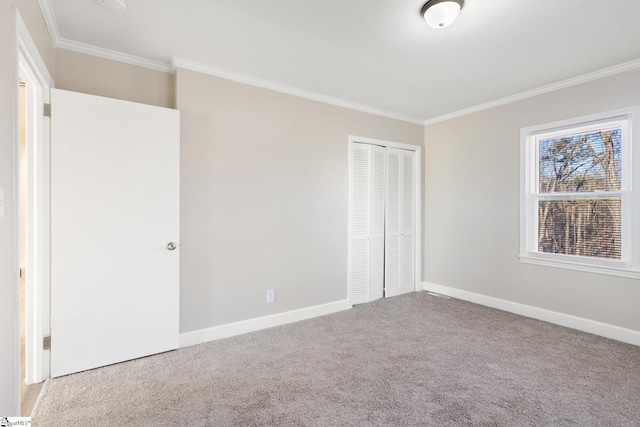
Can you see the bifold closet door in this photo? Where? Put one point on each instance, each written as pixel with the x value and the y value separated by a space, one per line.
pixel 367 223
pixel 400 222
pixel 376 283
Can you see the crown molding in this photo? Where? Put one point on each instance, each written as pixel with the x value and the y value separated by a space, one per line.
pixel 114 55
pixel 606 72
pixel 50 20
pixel 62 43
pixel 265 84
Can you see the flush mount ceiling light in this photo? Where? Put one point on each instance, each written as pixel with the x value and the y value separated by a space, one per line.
pixel 117 5
pixel 441 13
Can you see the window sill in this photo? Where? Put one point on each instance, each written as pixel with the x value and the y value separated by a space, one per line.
pixel 579 266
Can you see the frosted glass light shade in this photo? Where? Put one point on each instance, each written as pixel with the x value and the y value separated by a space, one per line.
pixel 116 5
pixel 441 14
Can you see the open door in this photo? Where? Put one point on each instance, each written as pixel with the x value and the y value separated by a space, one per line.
pixel 114 231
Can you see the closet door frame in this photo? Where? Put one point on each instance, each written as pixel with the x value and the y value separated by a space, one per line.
pixel 417 203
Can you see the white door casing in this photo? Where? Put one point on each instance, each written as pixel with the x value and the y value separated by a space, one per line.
pixel 32 70
pixel 114 209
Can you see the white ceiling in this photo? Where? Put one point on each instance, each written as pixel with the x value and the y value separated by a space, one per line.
pixel 378 54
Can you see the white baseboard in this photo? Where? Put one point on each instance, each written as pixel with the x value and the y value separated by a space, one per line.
pixel 237 328
pixel 591 326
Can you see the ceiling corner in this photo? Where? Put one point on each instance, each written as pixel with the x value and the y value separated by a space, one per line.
pixel 50 20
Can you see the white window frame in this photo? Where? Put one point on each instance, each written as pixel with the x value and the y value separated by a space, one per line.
pixel 629 264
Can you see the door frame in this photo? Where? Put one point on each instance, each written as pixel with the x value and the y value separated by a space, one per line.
pixel 417 203
pixel 32 69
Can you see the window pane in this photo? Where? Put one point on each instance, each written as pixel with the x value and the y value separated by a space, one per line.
pixel 591 228
pixel 583 161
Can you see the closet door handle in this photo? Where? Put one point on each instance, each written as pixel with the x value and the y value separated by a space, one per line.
pixel 171 246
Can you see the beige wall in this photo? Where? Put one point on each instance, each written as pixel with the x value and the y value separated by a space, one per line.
pixel 264 198
pixel 98 76
pixel 472 207
pixel 9 284
pixel 264 188
pixel 264 193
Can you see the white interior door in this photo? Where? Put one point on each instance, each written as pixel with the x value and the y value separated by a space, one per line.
pixel 114 210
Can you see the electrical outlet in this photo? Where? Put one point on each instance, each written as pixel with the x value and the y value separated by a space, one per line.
pixel 271 295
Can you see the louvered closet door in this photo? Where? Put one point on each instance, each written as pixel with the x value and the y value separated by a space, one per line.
pixel 376 284
pixel 367 223
pixel 382 222
pixel 407 227
pixel 359 264
pixel 400 227
pixel 392 234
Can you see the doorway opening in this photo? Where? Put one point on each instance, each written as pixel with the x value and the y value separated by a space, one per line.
pixel 28 393
pixel 32 178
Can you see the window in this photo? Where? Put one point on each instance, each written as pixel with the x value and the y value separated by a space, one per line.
pixel 576 195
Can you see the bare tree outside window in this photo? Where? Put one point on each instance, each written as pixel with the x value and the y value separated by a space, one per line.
pixel 579 207
pixel 580 203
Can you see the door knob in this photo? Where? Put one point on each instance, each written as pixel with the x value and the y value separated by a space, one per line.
pixel 171 246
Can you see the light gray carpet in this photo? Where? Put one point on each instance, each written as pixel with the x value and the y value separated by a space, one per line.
pixel 410 360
